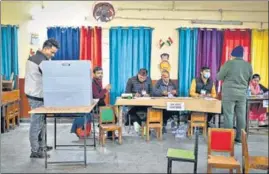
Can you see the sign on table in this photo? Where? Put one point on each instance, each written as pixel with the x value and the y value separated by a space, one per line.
pixel 175 106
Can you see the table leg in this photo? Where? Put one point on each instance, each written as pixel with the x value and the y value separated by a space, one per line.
pixel 93 125
pixel 55 133
pixel 45 124
pixel 85 137
pixel 247 118
pixel 120 116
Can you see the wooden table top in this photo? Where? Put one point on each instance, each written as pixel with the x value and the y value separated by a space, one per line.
pixel 191 103
pixel 63 110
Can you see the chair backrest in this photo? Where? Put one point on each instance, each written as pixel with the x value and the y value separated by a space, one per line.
pixel 221 140
pixel 154 115
pixel 107 114
pixel 198 117
pixel 244 145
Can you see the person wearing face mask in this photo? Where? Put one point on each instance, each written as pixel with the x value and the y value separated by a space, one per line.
pixel 203 86
pixel 165 87
pixel 236 75
pixel 34 93
pixel 140 86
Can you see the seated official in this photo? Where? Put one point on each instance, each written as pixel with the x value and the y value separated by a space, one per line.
pixel 165 88
pixel 140 86
pixel 203 86
pixel 257 111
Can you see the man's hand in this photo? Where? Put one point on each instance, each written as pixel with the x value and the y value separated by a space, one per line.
pixel 146 95
pixel 137 95
pixel 108 87
pixel 174 92
pixel 208 95
pixel 165 93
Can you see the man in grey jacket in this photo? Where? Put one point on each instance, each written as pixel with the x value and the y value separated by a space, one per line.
pixel 165 88
pixel 34 92
pixel 236 75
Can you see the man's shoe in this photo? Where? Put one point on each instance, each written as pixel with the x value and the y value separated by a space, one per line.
pixel 37 155
pixel 110 138
pixel 48 148
pixel 238 141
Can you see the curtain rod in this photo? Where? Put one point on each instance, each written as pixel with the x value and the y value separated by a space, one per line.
pixel 6 25
pixel 177 19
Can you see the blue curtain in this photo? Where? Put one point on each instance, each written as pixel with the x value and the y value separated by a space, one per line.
pixel 187 58
pixel 130 50
pixel 69 39
pixel 9 40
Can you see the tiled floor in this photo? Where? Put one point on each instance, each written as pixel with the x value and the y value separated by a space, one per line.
pixel 134 155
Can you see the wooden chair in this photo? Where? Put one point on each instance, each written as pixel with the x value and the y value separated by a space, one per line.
pixel 197 120
pixel 221 140
pixel 183 155
pixel 251 162
pixel 154 121
pixel 107 123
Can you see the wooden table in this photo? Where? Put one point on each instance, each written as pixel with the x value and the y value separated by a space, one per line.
pixel 51 112
pixel 253 100
pixel 191 104
pixel 8 98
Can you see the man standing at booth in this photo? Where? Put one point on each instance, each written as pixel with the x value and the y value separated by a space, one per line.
pixel 34 92
pixel 236 75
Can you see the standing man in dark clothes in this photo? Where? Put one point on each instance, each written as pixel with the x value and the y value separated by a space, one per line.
pixel 236 75
pixel 34 91
pixel 140 86
pixel 98 91
pixel 165 88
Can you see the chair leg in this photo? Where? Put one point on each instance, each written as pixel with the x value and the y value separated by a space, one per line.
pixel 231 171
pixel 160 134
pixel 204 131
pixel 238 170
pixel 209 169
pixel 103 138
pixel 100 135
pixel 147 129
pixel 195 167
pixel 142 131
pixel 169 166
pixel 191 130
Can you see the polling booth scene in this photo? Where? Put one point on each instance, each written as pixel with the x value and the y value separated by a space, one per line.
pixel 134 87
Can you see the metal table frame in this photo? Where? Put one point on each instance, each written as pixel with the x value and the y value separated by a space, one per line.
pixel 80 115
pixel 248 103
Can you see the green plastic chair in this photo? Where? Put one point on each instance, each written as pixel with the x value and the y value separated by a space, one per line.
pixel 183 155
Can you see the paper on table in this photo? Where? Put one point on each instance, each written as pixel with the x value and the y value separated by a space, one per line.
pixel 142 98
pixel 209 98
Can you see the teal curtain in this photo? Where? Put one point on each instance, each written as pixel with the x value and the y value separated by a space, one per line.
pixel 187 58
pixel 130 50
pixel 69 40
pixel 9 40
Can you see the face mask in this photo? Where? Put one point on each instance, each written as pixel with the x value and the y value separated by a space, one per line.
pixel 206 75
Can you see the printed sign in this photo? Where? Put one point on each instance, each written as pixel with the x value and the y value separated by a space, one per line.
pixel 175 106
pixel 265 103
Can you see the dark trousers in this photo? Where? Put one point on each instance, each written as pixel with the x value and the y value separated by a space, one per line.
pixel 133 114
pixel 167 115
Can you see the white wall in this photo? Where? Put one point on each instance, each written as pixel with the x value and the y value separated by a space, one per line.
pixel 70 13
